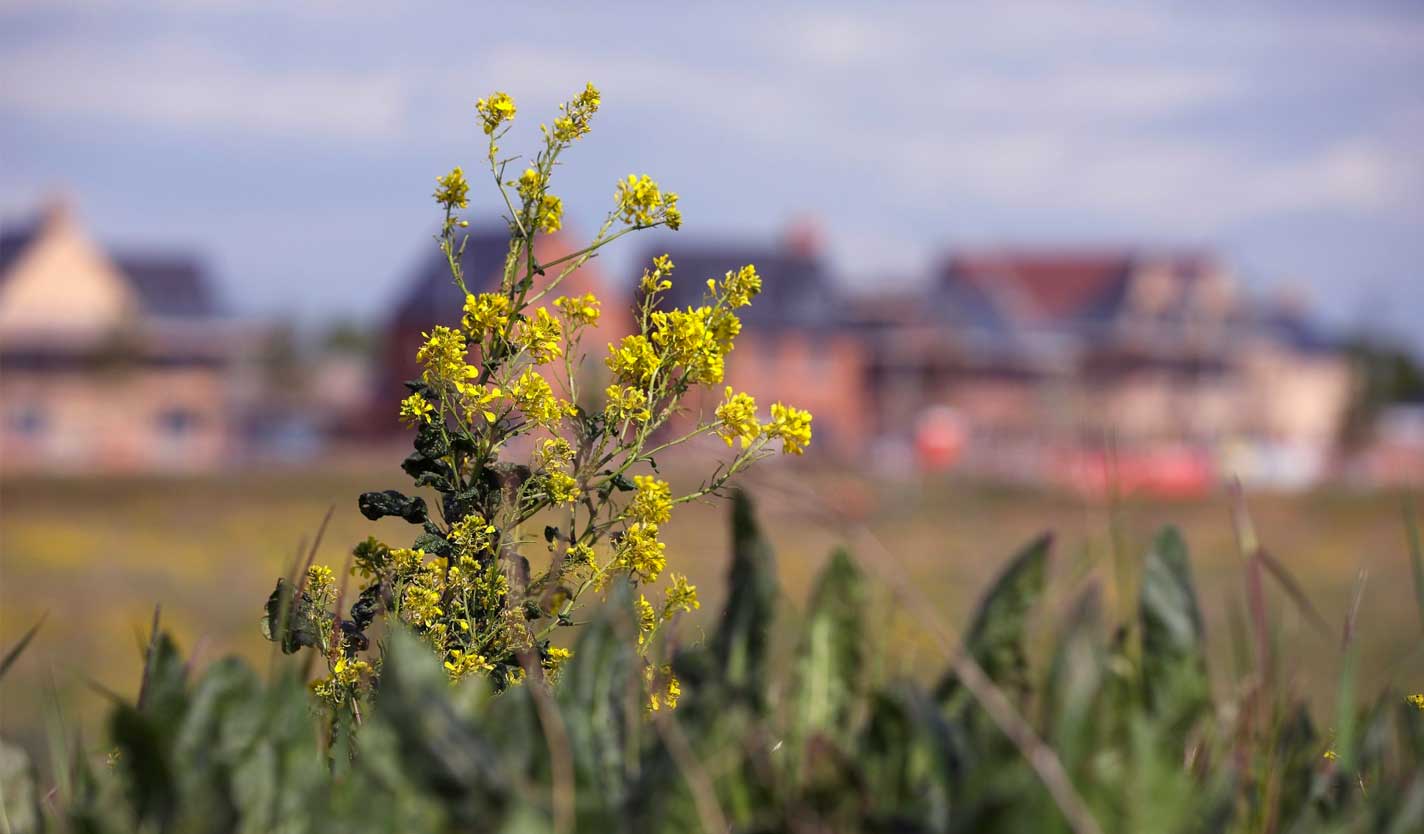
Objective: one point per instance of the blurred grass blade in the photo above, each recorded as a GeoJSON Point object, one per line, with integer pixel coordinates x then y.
{"type": "Point", "coordinates": [1297, 594]}
{"type": "Point", "coordinates": [1416, 555]}
{"type": "Point", "coordinates": [15, 651]}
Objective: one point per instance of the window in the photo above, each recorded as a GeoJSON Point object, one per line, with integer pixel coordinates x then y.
{"type": "Point", "coordinates": [177, 422]}
{"type": "Point", "coordinates": [28, 421]}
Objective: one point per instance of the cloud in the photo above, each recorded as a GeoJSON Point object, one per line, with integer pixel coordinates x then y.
{"type": "Point", "coordinates": [180, 84]}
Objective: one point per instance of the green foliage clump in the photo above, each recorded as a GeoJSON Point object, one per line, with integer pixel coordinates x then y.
{"type": "Point", "coordinates": [1128, 724]}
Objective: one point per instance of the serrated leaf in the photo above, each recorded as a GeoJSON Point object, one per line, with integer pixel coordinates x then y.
{"type": "Point", "coordinates": [997, 634]}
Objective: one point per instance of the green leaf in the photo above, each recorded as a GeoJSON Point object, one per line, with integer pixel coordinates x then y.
{"type": "Point", "coordinates": [1174, 674]}
{"type": "Point", "coordinates": [831, 661]}
{"type": "Point", "coordinates": [743, 638]}
{"type": "Point", "coordinates": [996, 638]}
{"type": "Point", "coordinates": [293, 624]}
{"type": "Point", "coordinates": [377, 505]}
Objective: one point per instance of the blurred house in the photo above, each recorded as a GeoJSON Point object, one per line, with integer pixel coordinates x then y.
{"type": "Point", "coordinates": [1052, 359]}
{"type": "Point", "coordinates": [108, 362]}
{"type": "Point", "coordinates": [431, 297]}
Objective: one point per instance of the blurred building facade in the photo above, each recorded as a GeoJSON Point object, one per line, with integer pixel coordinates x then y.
{"type": "Point", "coordinates": [109, 362]}
{"type": "Point", "coordinates": [1150, 370]}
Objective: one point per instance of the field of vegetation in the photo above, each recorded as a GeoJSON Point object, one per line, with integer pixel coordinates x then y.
{"type": "Point", "coordinates": [96, 556]}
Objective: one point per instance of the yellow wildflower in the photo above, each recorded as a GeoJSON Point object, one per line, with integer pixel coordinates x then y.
{"type": "Point", "coordinates": [321, 583]}
{"type": "Point", "coordinates": [553, 453]}
{"type": "Point", "coordinates": [476, 400]}
{"type": "Point", "coordinates": [536, 401]}
{"type": "Point", "coordinates": [443, 355]}
{"type": "Point", "coordinates": [574, 121]}
{"type": "Point", "coordinates": [792, 425]}
{"type": "Point", "coordinates": [640, 553]}
{"type": "Point", "coordinates": [581, 555]}
{"type": "Point", "coordinates": [530, 184]}
{"type": "Point", "coordinates": [580, 310]}
{"type": "Point", "coordinates": [1329, 755]}
{"type": "Point", "coordinates": [495, 111]}
{"type": "Point", "coordinates": [415, 409]}
{"type": "Point", "coordinates": [641, 203]}
{"type": "Point", "coordinates": [486, 312]}
{"type": "Point", "coordinates": [1417, 700]}
{"type": "Point", "coordinates": [550, 216]}
{"type": "Point", "coordinates": [738, 419]}
{"type": "Point", "coordinates": [554, 659]}
{"type": "Point", "coordinates": [652, 503]}
{"type": "Point", "coordinates": [680, 597]}
{"type": "Point", "coordinates": [626, 403]}
{"type": "Point", "coordinates": [563, 488]}
{"type": "Point", "coordinates": [452, 190]}
{"type": "Point", "coordinates": [655, 280]}
{"type": "Point", "coordinates": [684, 337]}
{"type": "Point", "coordinates": [542, 336]}
{"type": "Point", "coordinates": [461, 663]}
{"type": "Point", "coordinates": [647, 618]}
{"type": "Point", "coordinates": [634, 361]}
{"type": "Point", "coordinates": [741, 287]}
{"type": "Point", "coordinates": [473, 534]}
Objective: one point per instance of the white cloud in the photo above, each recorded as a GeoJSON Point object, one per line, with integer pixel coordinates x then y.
{"type": "Point", "coordinates": [186, 86]}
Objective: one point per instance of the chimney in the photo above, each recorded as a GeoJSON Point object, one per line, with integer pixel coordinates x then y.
{"type": "Point", "coordinates": [803, 237]}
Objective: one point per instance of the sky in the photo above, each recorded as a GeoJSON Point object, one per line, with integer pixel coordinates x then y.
{"type": "Point", "coordinates": [294, 145]}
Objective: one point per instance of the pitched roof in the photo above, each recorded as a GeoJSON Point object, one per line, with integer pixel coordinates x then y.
{"type": "Point", "coordinates": [14, 239]}
{"type": "Point", "coordinates": [431, 296]}
{"type": "Point", "coordinates": [796, 288]}
{"type": "Point", "coordinates": [1044, 286]}
{"type": "Point", "coordinates": [169, 286]}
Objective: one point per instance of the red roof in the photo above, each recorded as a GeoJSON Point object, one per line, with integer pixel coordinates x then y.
{"type": "Point", "coordinates": [1044, 284]}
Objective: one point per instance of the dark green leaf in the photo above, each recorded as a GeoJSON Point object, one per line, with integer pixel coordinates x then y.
{"type": "Point", "coordinates": [1174, 675]}
{"type": "Point", "coordinates": [377, 505]}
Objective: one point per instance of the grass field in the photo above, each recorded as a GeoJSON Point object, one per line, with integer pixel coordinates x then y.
{"type": "Point", "coordinates": [95, 556]}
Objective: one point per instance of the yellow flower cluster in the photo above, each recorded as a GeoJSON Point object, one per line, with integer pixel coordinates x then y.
{"type": "Point", "coordinates": [553, 453]}
{"type": "Point", "coordinates": [627, 403]}
{"type": "Point", "coordinates": [580, 310]}
{"type": "Point", "coordinates": [647, 618]}
{"type": "Point", "coordinates": [639, 552]}
{"type": "Point", "coordinates": [460, 663]}
{"type": "Point", "coordinates": [536, 401]}
{"type": "Point", "coordinates": [574, 121]}
{"type": "Point", "coordinates": [443, 355]}
{"type": "Point", "coordinates": [542, 336]}
{"type": "Point", "coordinates": [680, 597]}
{"type": "Point", "coordinates": [792, 425]}
{"type": "Point", "coordinates": [689, 338]}
{"type": "Point", "coordinates": [554, 659]}
{"type": "Point", "coordinates": [740, 287]}
{"type": "Point", "coordinates": [737, 418]}
{"type": "Point", "coordinates": [641, 203]}
{"type": "Point", "coordinates": [664, 689]}
{"type": "Point", "coordinates": [495, 111]}
{"type": "Point", "coordinates": [633, 362]}
{"type": "Point", "coordinates": [656, 279]}
{"type": "Point", "coordinates": [476, 399]}
{"type": "Point", "coordinates": [345, 675]}
{"type": "Point", "coordinates": [1417, 700]}
{"type": "Point", "coordinates": [415, 410]}
{"type": "Point", "coordinates": [452, 190]}
{"type": "Point", "coordinates": [473, 534]}
{"type": "Point", "coordinates": [652, 503]}
{"type": "Point", "coordinates": [563, 488]}
{"type": "Point", "coordinates": [486, 312]}
{"type": "Point", "coordinates": [321, 584]}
